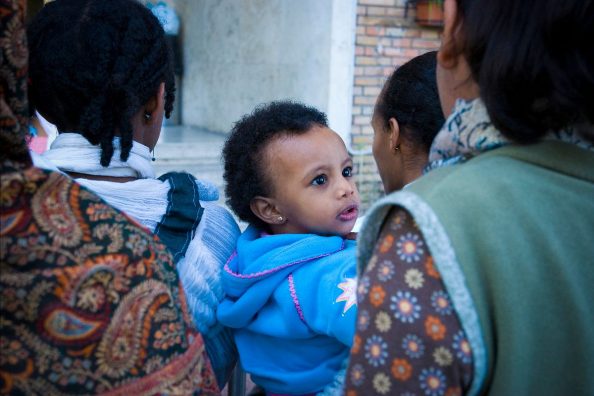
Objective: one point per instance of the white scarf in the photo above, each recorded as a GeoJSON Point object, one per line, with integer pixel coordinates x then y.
{"type": "Point", "coordinates": [72, 152]}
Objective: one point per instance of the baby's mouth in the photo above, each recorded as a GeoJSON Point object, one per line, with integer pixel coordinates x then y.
{"type": "Point", "coordinates": [350, 213]}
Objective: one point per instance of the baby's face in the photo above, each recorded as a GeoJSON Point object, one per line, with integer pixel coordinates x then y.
{"type": "Point", "coordinates": [313, 183]}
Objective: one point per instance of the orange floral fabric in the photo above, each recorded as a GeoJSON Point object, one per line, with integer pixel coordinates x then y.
{"type": "Point", "coordinates": [409, 340]}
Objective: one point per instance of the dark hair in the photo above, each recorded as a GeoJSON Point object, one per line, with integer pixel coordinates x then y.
{"type": "Point", "coordinates": [245, 171]}
{"type": "Point", "coordinates": [533, 61]}
{"type": "Point", "coordinates": [410, 96]}
{"type": "Point", "coordinates": [94, 63]}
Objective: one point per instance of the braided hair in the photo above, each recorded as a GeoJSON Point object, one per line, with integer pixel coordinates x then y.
{"type": "Point", "coordinates": [94, 64]}
{"type": "Point", "coordinates": [410, 95]}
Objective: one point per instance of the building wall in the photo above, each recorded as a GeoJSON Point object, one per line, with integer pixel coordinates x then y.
{"type": "Point", "coordinates": [385, 39]}
{"type": "Point", "coordinates": [238, 54]}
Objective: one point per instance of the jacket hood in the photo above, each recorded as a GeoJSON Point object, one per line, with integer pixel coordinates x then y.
{"type": "Point", "coordinates": [260, 263]}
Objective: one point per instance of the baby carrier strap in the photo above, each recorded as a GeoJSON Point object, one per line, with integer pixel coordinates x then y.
{"type": "Point", "coordinates": [182, 217]}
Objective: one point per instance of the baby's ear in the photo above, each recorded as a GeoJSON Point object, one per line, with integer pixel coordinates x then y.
{"type": "Point", "coordinates": [265, 209]}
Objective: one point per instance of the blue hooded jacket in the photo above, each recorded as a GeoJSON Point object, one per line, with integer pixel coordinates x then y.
{"type": "Point", "coordinates": [291, 299]}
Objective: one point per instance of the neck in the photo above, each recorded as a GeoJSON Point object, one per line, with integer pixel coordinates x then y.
{"type": "Point", "coordinates": [117, 179]}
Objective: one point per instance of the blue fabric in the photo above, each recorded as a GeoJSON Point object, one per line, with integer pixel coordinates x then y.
{"type": "Point", "coordinates": [178, 226]}
{"type": "Point", "coordinates": [292, 336]}
{"type": "Point", "coordinates": [200, 271]}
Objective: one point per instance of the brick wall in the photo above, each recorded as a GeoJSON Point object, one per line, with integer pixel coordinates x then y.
{"type": "Point", "coordinates": [385, 39]}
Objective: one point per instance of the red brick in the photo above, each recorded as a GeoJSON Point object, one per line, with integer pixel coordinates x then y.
{"type": "Point", "coordinates": [374, 31]}
{"type": "Point", "coordinates": [431, 34]}
{"type": "Point", "coordinates": [364, 100]}
{"type": "Point", "coordinates": [367, 130]}
{"type": "Point", "coordinates": [412, 33]}
{"type": "Point", "coordinates": [368, 110]}
{"type": "Point", "coordinates": [395, 32]}
{"type": "Point", "coordinates": [393, 51]}
{"type": "Point", "coordinates": [376, 11]}
{"type": "Point", "coordinates": [370, 21]}
{"type": "Point", "coordinates": [366, 40]}
{"type": "Point", "coordinates": [362, 140]}
{"type": "Point", "coordinates": [365, 60]}
{"type": "Point", "coordinates": [367, 81]}
{"type": "Point", "coordinates": [371, 91]}
{"type": "Point", "coordinates": [361, 120]}
{"type": "Point", "coordinates": [426, 44]}
{"type": "Point", "coordinates": [372, 71]}
{"type": "Point", "coordinates": [384, 61]}
{"type": "Point", "coordinates": [396, 12]}
{"type": "Point", "coordinates": [370, 51]}
{"type": "Point", "coordinates": [359, 50]}
{"type": "Point", "coordinates": [387, 71]}
{"type": "Point", "coordinates": [402, 43]}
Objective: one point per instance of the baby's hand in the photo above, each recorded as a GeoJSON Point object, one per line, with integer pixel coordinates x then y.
{"type": "Point", "coordinates": [351, 235]}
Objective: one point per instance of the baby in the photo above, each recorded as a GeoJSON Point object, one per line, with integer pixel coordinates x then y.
{"type": "Point", "coordinates": [291, 284]}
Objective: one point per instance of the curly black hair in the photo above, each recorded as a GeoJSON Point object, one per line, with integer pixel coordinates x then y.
{"type": "Point", "coordinates": [93, 64]}
{"type": "Point", "coordinates": [410, 96]}
{"type": "Point", "coordinates": [245, 171]}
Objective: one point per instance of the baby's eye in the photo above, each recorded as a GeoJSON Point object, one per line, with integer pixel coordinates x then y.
{"type": "Point", "coordinates": [319, 180]}
{"type": "Point", "coordinates": [348, 171]}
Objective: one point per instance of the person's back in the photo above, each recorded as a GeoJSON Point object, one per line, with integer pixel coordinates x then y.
{"type": "Point", "coordinates": [502, 220]}
{"type": "Point", "coordinates": [101, 71]}
{"type": "Point", "coordinates": [290, 287]}
{"type": "Point", "coordinates": [90, 302]}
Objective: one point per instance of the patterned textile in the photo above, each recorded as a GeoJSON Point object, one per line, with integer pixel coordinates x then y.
{"type": "Point", "coordinates": [90, 302]}
{"type": "Point", "coordinates": [409, 340]}
{"type": "Point", "coordinates": [468, 131]}
{"type": "Point", "coordinates": [13, 82]}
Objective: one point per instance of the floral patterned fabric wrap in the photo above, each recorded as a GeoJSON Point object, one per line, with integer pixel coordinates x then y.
{"type": "Point", "coordinates": [409, 339]}
{"type": "Point", "coordinates": [90, 302]}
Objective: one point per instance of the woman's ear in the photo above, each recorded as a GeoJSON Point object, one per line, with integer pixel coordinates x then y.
{"type": "Point", "coordinates": [448, 53]}
{"type": "Point", "coordinates": [394, 130]}
{"type": "Point", "coordinates": [265, 209]}
{"type": "Point", "coordinates": [155, 102]}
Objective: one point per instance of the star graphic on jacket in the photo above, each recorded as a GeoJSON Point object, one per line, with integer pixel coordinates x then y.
{"type": "Point", "coordinates": [349, 293]}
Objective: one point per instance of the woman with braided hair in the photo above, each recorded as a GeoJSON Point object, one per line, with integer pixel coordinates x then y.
{"type": "Point", "coordinates": [102, 72]}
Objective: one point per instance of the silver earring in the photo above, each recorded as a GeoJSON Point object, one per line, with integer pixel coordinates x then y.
{"type": "Point", "coordinates": [397, 148]}
{"type": "Point", "coordinates": [280, 219]}
{"type": "Point", "coordinates": [147, 117]}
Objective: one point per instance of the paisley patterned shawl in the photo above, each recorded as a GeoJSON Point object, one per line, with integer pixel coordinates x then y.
{"type": "Point", "coordinates": [13, 83]}
{"type": "Point", "coordinates": [90, 302]}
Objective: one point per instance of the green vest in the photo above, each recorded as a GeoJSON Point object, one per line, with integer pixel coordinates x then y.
{"type": "Point", "coordinates": [512, 234]}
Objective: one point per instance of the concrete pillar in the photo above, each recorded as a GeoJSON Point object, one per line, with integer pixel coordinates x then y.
{"type": "Point", "coordinates": [241, 53]}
